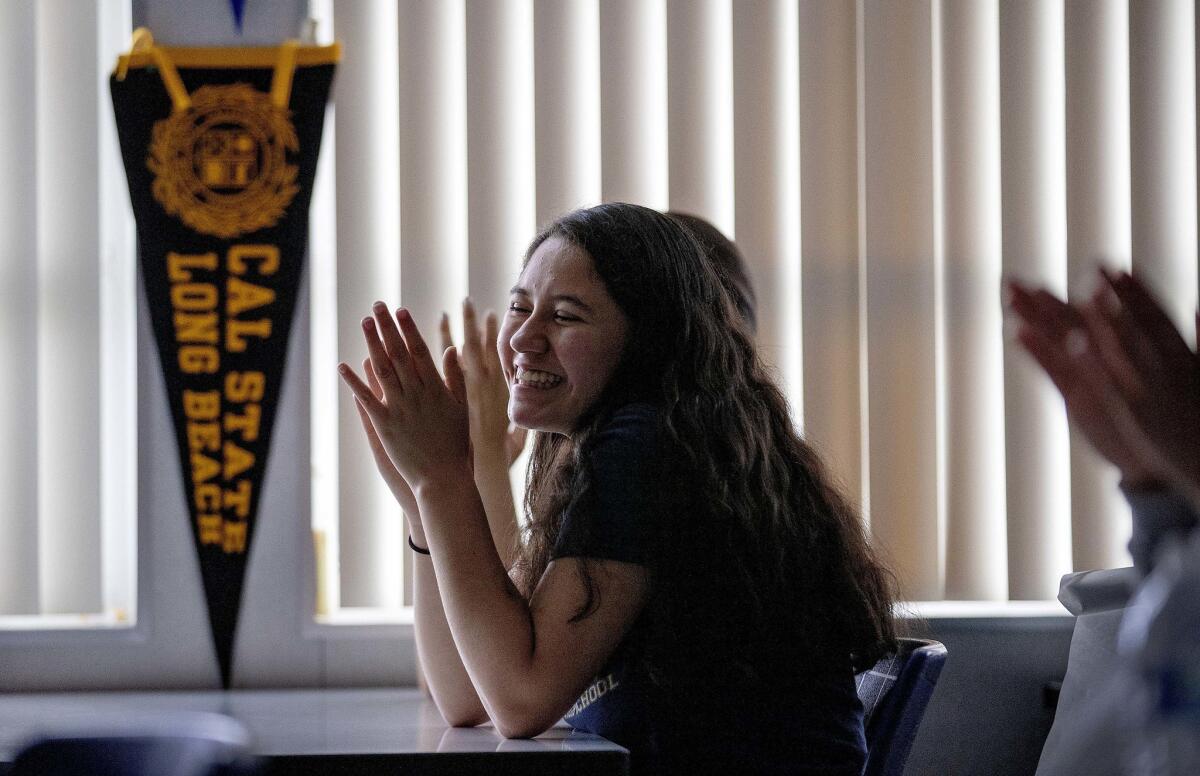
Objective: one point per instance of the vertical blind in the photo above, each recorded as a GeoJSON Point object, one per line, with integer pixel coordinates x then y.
{"type": "Point", "coordinates": [67, 316]}
{"type": "Point", "coordinates": [1033, 234]}
{"type": "Point", "coordinates": [881, 164]}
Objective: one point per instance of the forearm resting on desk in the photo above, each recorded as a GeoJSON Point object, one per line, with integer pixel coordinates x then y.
{"type": "Point", "coordinates": [528, 660]}
{"type": "Point", "coordinates": [450, 556]}
{"type": "Point", "coordinates": [447, 678]}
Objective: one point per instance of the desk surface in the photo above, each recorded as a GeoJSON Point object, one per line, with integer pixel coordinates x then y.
{"type": "Point", "coordinates": [302, 731]}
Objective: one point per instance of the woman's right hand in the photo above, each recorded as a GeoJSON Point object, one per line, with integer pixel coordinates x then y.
{"type": "Point", "coordinates": [391, 476]}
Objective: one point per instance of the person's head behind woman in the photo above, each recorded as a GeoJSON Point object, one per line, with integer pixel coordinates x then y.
{"type": "Point", "coordinates": [729, 260]}
{"type": "Point", "coordinates": [753, 531]}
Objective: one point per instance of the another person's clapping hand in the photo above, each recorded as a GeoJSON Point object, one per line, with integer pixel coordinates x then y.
{"type": "Point", "coordinates": [1154, 371]}
{"type": "Point", "coordinates": [1130, 381]}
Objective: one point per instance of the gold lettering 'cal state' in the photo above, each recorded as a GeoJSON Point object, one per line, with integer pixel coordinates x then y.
{"type": "Point", "coordinates": [241, 296]}
{"type": "Point", "coordinates": [237, 331]}
{"type": "Point", "coordinates": [245, 386]}
{"type": "Point", "coordinates": [234, 540]}
{"type": "Point", "coordinates": [237, 460]}
{"type": "Point", "coordinates": [265, 257]}
{"type": "Point", "coordinates": [238, 499]}
{"type": "Point", "coordinates": [246, 424]}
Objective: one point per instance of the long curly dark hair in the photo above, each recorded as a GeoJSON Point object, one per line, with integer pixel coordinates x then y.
{"type": "Point", "coordinates": [753, 534]}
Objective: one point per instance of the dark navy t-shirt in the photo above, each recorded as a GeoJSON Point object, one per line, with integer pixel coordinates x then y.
{"type": "Point", "coordinates": [793, 719]}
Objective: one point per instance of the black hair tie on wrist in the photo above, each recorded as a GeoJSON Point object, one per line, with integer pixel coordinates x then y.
{"type": "Point", "coordinates": [415, 548]}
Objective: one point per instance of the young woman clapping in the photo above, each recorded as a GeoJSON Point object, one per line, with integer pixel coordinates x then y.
{"type": "Point", "coordinates": [689, 583]}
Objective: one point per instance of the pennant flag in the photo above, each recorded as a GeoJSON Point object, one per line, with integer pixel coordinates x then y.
{"type": "Point", "coordinates": [220, 150]}
{"type": "Point", "coordinates": [239, 7]}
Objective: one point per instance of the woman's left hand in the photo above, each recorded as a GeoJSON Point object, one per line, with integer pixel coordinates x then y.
{"type": "Point", "coordinates": [492, 435]}
{"type": "Point", "coordinates": [421, 421]}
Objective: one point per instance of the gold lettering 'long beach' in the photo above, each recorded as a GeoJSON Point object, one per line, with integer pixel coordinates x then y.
{"type": "Point", "coordinates": [599, 688]}
{"type": "Point", "coordinates": [218, 420]}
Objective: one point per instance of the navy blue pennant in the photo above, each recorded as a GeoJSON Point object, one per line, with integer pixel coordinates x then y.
{"type": "Point", "coordinates": [238, 6]}
{"type": "Point", "coordinates": [220, 191]}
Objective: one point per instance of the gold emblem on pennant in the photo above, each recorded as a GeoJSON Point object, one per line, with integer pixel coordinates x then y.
{"type": "Point", "coordinates": [221, 165]}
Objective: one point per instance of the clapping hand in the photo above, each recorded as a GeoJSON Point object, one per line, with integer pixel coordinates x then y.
{"type": "Point", "coordinates": [396, 484]}
{"type": "Point", "coordinates": [1130, 382]}
{"type": "Point", "coordinates": [487, 391]}
{"type": "Point", "coordinates": [1155, 373]}
{"type": "Point", "coordinates": [418, 420]}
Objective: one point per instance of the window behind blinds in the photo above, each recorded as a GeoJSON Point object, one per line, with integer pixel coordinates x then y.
{"type": "Point", "coordinates": [67, 322]}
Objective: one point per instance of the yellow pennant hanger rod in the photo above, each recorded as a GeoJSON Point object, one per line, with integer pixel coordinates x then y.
{"type": "Point", "coordinates": [285, 59]}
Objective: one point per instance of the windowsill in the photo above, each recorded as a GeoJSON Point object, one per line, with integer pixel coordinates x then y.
{"type": "Point", "coordinates": [64, 622]}
{"type": "Point", "coordinates": [944, 610]}
{"type": "Point", "coordinates": [369, 623]}
{"type": "Point", "coordinates": [68, 629]}
{"type": "Point", "coordinates": [362, 623]}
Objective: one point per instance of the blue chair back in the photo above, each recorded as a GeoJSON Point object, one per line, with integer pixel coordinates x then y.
{"type": "Point", "coordinates": [176, 745]}
{"type": "Point", "coordinates": [894, 694]}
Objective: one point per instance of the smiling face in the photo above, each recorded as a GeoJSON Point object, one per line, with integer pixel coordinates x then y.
{"type": "Point", "coordinates": [561, 339]}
